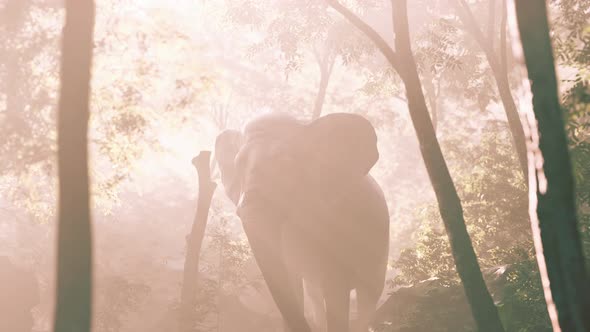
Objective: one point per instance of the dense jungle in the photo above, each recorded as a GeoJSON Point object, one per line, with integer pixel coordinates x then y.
{"type": "Point", "coordinates": [294, 165]}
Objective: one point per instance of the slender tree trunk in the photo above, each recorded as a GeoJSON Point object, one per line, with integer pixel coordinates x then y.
{"type": "Point", "coordinates": [480, 300]}
{"type": "Point", "coordinates": [503, 40]}
{"type": "Point", "coordinates": [74, 245]}
{"type": "Point", "coordinates": [326, 65]}
{"type": "Point", "coordinates": [432, 98]}
{"type": "Point", "coordinates": [321, 96]}
{"type": "Point", "coordinates": [500, 73]}
{"type": "Point", "coordinates": [491, 21]}
{"type": "Point", "coordinates": [551, 183]}
{"type": "Point", "coordinates": [481, 303]}
{"type": "Point", "coordinates": [188, 296]}
{"type": "Point", "coordinates": [514, 123]}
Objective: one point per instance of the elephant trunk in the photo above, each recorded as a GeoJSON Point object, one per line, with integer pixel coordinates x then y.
{"type": "Point", "coordinates": [265, 240]}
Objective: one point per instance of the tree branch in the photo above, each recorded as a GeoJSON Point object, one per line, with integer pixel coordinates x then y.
{"type": "Point", "coordinates": [503, 51]}
{"type": "Point", "coordinates": [331, 60]}
{"type": "Point", "coordinates": [401, 98]}
{"type": "Point", "coordinates": [501, 79]}
{"type": "Point", "coordinates": [316, 54]}
{"type": "Point", "coordinates": [491, 22]}
{"type": "Point", "coordinates": [381, 44]}
{"type": "Point", "coordinates": [471, 25]}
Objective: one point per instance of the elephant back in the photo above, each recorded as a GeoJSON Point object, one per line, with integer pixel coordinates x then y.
{"type": "Point", "coordinates": [271, 126]}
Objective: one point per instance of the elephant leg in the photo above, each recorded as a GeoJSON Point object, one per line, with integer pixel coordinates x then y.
{"type": "Point", "coordinates": [366, 306]}
{"type": "Point", "coordinates": [266, 247]}
{"type": "Point", "coordinates": [297, 282]}
{"type": "Point", "coordinates": [297, 286]}
{"type": "Point", "coordinates": [337, 306]}
{"type": "Point", "coordinates": [318, 307]}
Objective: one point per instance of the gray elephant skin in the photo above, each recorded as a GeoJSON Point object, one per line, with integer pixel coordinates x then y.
{"type": "Point", "coordinates": [311, 212]}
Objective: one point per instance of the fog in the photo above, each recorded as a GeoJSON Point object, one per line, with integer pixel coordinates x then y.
{"type": "Point", "coordinates": [169, 76]}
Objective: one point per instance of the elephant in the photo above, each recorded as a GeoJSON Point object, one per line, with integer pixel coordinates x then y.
{"type": "Point", "coordinates": [311, 211]}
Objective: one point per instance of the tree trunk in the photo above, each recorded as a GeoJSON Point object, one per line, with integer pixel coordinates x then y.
{"type": "Point", "coordinates": [481, 303]}
{"type": "Point", "coordinates": [194, 241]}
{"type": "Point", "coordinates": [326, 65]}
{"type": "Point", "coordinates": [321, 96]}
{"type": "Point", "coordinates": [74, 238]}
{"type": "Point", "coordinates": [514, 123]}
{"type": "Point", "coordinates": [500, 73]}
{"type": "Point", "coordinates": [432, 98]}
{"type": "Point", "coordinates": [551, 183]}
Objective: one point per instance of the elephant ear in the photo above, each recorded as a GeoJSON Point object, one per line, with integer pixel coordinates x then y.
{"type": "Point", "coordinates": [227, 146]}
{"type": "Point", "coordinates": [339, 148]}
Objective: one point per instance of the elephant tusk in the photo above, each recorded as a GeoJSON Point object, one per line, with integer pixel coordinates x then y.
{"type": "Point", "coordinates": [241, 198]}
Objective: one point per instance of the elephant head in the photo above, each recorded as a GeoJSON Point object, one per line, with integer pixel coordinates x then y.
{"type": "Point", "coordinates": [277, 160]}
